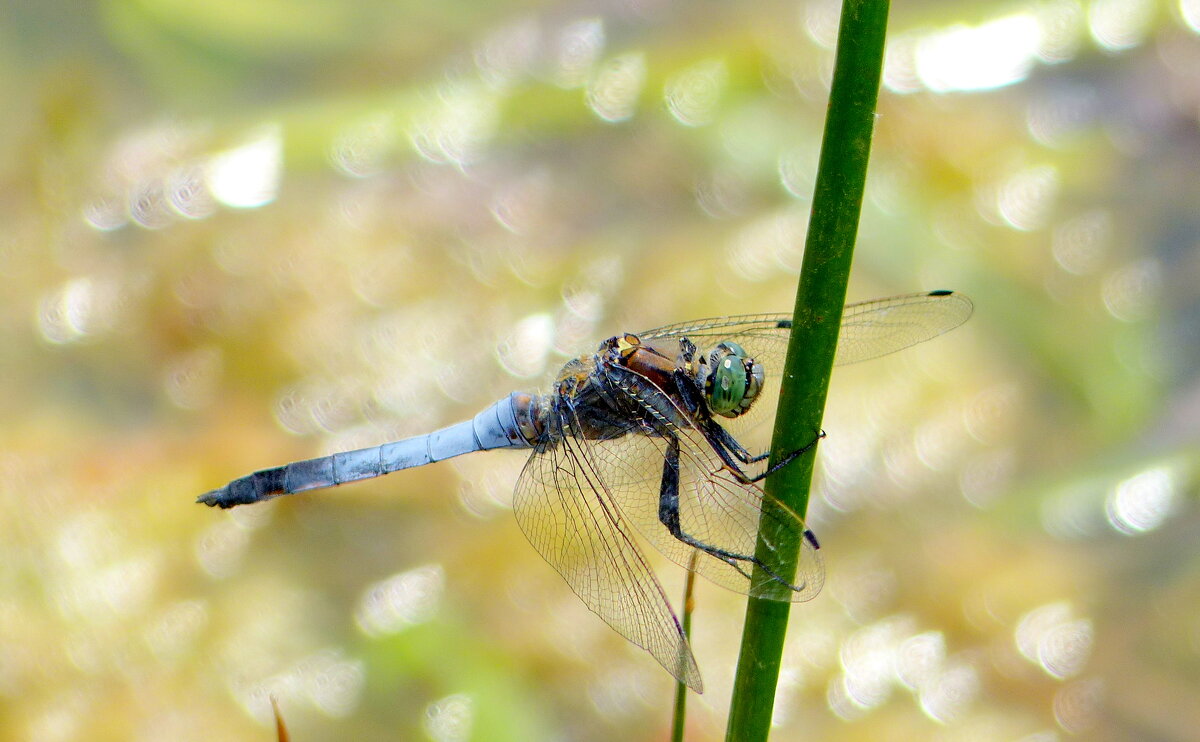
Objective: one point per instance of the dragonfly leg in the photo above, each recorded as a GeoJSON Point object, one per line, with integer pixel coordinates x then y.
{"type": "Point", "coordinates": [720, 438]}
{"type": "Point", "coordinates": [722, 443]}
{"type": "Point", "coordinates": [736, 448]}
{"type": "Point", "coordinates": [689, 392]}
{"type": "Point", "coordinates": [693, 400]}
{"type": "Point", "coordinates": [668, 515]}
{"type": "Point", "coordinates": [790, 457]}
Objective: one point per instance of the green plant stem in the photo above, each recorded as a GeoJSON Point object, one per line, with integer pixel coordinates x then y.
{"type": "Point", "coordinates": [681, 690]}
{"type": "Point", "coordinates": [828, 250]}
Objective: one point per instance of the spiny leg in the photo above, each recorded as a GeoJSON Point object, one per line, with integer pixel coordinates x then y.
{"type": "Point", "coordinates": [668, 515]}
{"type": "Point", "coordinates": [733, 446]}
{"type": "Point", "coordinates": [817, 436]}
{"type": "Point", "coordinates": [722, 442]}
{"type": "Point", "coordinates": [693, 401]}
{"type": "Point", "coordinates": [726, 446]}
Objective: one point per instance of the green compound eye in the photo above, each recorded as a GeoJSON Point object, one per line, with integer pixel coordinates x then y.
{"type": "Point", "coordinates": [728, 386]}
{"type": "Point", "coordinates": [734, 381]}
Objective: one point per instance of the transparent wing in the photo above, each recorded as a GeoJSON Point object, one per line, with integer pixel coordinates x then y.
{"type": "Point", "coordinates": [714, 507]}
{"type": "Point", "coordinates": [875, 328]}
{"type": "Point", "coordinates": [565, 510]}
{"type": "Point", "coordinates": [869, 330]}
{"type": "Point", "coordinates": [577, 499]}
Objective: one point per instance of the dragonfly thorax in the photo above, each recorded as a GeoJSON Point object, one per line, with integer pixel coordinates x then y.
{"type": "Point", "coordinates": [731, 378]}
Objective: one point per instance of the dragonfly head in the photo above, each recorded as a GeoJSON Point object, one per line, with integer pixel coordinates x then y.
{"type": "Point", "coordinates": [732, 380]}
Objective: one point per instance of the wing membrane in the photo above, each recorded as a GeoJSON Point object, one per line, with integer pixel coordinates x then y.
{"type": "Point", "coordinates": [565, 510]}
{"type": "Point", "coordinates": [876, 328]}
{"type": "Point", "coordinates": [714, 506]}
{"type": "Point", "coordinates": [578, 500]}
{"type": "Point", "coordinates": [869, 329]}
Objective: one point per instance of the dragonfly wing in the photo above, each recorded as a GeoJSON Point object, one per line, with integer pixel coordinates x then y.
{"type": "Point", "coordinates": [714, 507]}
{"type": "Point", "coordinates": [876, 328]}
{"type": "Point", "coordinates": [565, 510]}
{"type": "Point", "coordinates": [719, 510]}
{"type": "Point", "coordinates": [869, 329]}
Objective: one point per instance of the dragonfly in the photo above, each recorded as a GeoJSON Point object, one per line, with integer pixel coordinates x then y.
{"type": "Point", "coordinates": [642, 441]}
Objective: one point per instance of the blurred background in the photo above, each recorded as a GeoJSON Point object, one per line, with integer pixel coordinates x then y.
{"type": "Point", "coordinates": [238, 234]}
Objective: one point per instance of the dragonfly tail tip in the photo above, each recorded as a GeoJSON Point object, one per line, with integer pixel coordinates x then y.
{"type": "Point", "coordinates": [214, 498]}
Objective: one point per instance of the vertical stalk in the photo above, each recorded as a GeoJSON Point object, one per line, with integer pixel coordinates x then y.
{"type": "Point", "coordinates": [828, 249]}
{"type": "Point", "coordinates": [681, 690]}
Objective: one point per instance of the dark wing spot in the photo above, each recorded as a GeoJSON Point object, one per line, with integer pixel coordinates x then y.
{"type": "Point", "coordinates": [784, 324]}
{"type": "Point", "coordinates": [940, 292]}
{"type": "Point", "coordinates": [811, 538]}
